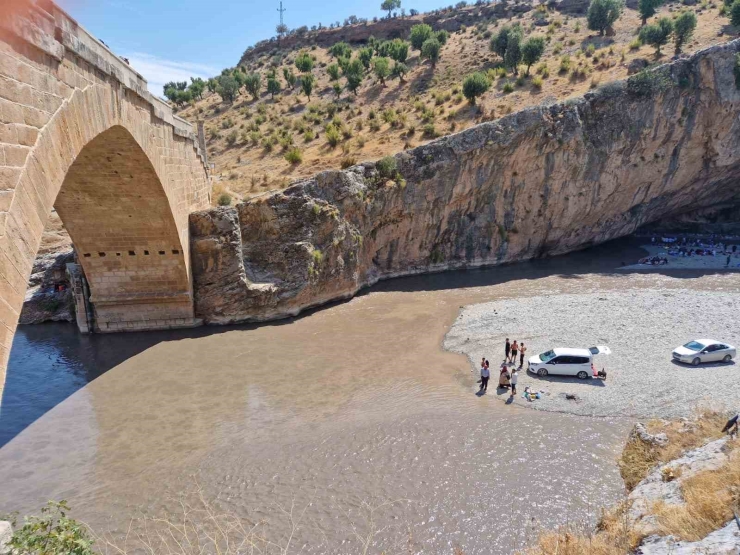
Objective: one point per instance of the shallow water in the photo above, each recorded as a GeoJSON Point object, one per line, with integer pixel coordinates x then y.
{"type": "Point", "coordinates": [350, 407]}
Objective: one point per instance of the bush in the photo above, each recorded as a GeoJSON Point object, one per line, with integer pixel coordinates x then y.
{"type": "Point", "coordinates": [224, 199]}
{"type": "Point", "coordinates": [590, 50]}
{"type": "Point", "coordinates": [294, 156]}
{"type": "Point", "coordinates": [537, 82]}
{"type": "Point", "coordinates": [635, 44]}
{"type": "Point", "coordinates": [442, 37]}
{"type": "Point", "coordinates": [543, 70]}
{"type": "Point", "coordinates": [419, 35]}
{"type": "Point", "coordinates": [52, 532]}
{"type": "Point", "coordinates": [348, 161]}
{"type": "Point", "coordinates": [304, 62]}
{"type": "Point", "coordinates": [646, 83]}
{"type": "Point", "coordinates": [387, 167]}
{"type": "Point", "coordinates": [381, 68]}
{"type": "Point", "coordinates": [475, 85]}
{"type": "Point", "coordinates": [231, 138]}
{"type": "Point", "coordinates": [308, 135]}
{"type": "Point", "coordinates": [333, 71]}
{"type": "Point", "coordinates": [307, 83]}
{"type": "Point", "coordinates": [603, 13]}
{"type": "Point", "coordinates": [333, 136]}
{"type": "Point", "coordinates": [564, 64]}
{"type": "Point", "coordinates": [508, 87]}
{"type": "Point", "coordinates": [341, 50]}
{"type": "Point", "coordinates": [430, 131]}
{"type": "Point", "coordinates": [253, 83]}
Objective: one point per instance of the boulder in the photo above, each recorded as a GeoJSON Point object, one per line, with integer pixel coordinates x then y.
{"type": "Point", "coordinates": [637, 65]}
{"type": "Point", "coordinates": [725, 541]}
{"type": "Point", "coordinates": [639, 432]}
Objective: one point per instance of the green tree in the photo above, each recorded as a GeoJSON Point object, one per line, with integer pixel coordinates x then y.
{"type": "Point", "coordinates": [399, 71]}
{"type": "Point", "coordinates": [273, 86]}
{"type": "Point", "coordinates": [289, 77]}
{"type": "Point", "coordinates": [657, 34]}
{"type": "Point", "coordinates": [735, 13]}
{"type": "Point", "coordinates": [211, 84]}
{"type": "Point", "coordinates": [430, 50]}
{"type": "Point", "coordinates": [683, 28]}
{"type": "Point", "coordinates": [307, 83]}
{"type": "Point", "coordinates": [333, 71]}
{"type": "Point", "coordinates": [390, 5]}
{"type": "Point", "coordinates": [442, 37]}
{"type": "Point", "coordinates": [602, 14]}
{"type": "Point", "coordinates": [514, 51]}
{"type": "Point", "coordinates": [253, 84]}
{"type": "Point", "coordinates": [173, 89]}
{"type": "Point", "coordinates": [365, 55]}
{"type": "Point", "coordinates": [647, 9]}
{"type": "Point", "coordinates": [341, 50]}
{"type": "Point", "coordinates": [197, 87]}
{"type": "Point", "coordinates": [399, 50]}
{"type": "Point", "coordinates": [354, 72]}
{"type": "Point", "coordinates": [304, 62]}
{"type": "Point", "coordinates": [475, 85]}
{"type": "Point", "coordinates": [337, 89]}
{"type": "Point", "coordinates": [419, 34]}
{"type": "Point", "coordinates": [381, 68]}
{"type": "Point", "coordinates": [500, 40]}
{"type": "Point", "coordinates": [227, 87]}
{"type": "Point", "coordinates": [532, 51]}
{"type": "Point", "coordinates": [281, 31]}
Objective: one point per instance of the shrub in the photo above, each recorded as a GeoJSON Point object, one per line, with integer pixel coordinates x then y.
{"type": "Point", "coordinates": [564, 64]}
{"type": "Point", "coordinates": [657, 34]}
{"type": "Point", "coordinates": [543, 70]}
{"type": "Point", "coordinates": [602, 14]}
{"type": "Point", "coordinates": [307, 83]}
{"type": "Point", "coordinates": [348, 161]}
{"type": "Point", "coordinates": [431, 47]}
{"type": "Point", "coordinates": [683, 28]}
{"type": "Point", "coordinates": [52, 532]}
{"type": "Point", "coordinates": [332, 135]}
{"type": "Point", "coordinates": [532, 51]}
{"type": "Point", "coordinates": [558, 48]}
{"type": "Point", "coordinates": [294, 156]}
{"type": "Point", "coordinates": [273, 86]}
{"type": "Point", "coordinates": [308, 135]}
{"type": "Point", "coordinates": [430, 131]}
{"type": "Point", "coordinates": [387, 167]}
{"type": "Point", "coordinates": [475, 85]}
{"type": "Point", "coordinates": [635, 44]}
{"type": "Point", "coordinates": [442, 37]}
{"type": "Point", "coordinates": [419, 35]}
{"type": "Point", "coordinates": [231, 138]}
{"type": "Point", "coordinates": [590, 50]}
{"type": "Point", "coordinates": [340, 50]}
{"type": "Point", "coordinates": [537, 82]}
{"type": "Point", "coordinates": [381, 68]}
{"type": "Point", "coordinates": [224, 199]}
{"type": "Point", "coordinates": [508, 87]}
{"type": "Point", "coordinates": [646, 83]}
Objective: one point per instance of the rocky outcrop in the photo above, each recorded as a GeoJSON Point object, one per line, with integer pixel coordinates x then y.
{"type": "Point", "coordinates": [48, 297]}
{"type": "Point", "coordinates": [725, 541]}
{"type": "Point", "coordinates": [543, 181]}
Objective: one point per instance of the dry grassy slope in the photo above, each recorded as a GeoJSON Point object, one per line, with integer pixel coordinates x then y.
{"type": "Point", "coordinates": [245, 170]}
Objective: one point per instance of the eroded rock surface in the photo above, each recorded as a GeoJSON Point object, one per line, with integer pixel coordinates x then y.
{"type": "Point", "coordinates": [48, 297]}
{"type": "Point", "coordinates": [543, 181]}
{"type": "Point", "coordinates": [725, 541]}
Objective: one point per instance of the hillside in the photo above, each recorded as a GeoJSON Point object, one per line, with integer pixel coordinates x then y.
{"type": "Point", "coordinates": [384, 119]}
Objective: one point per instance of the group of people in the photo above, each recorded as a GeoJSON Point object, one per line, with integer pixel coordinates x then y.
{"type": "Point", "coordinates": [506, 378]}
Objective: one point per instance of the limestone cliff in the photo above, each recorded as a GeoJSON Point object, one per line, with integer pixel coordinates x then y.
{"type": "Point", "coordinates": [543, 181]}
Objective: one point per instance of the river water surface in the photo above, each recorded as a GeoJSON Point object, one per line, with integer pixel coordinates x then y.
{"type": "Point", "coordinates": [352, 415]}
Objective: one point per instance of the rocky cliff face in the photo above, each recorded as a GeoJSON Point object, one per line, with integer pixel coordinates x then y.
{"type": "Point", "coordinates": [540, 182]}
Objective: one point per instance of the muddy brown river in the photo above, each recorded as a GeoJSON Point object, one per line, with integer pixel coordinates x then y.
{"type": "Point", "coordinates": [351, 415]}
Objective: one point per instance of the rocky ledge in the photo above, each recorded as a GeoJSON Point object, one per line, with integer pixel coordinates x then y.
{"type": "Point", "coordinates": [48, 297]}
{"type": "Point", "coordinates": [543, 181]}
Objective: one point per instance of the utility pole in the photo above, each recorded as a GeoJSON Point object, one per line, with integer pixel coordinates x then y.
{"type": "Point", "coordinates": [281, 10]}
{"type": "Point", "coordinates": [280, 28]}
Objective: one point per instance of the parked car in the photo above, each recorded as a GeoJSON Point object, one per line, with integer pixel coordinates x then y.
{"type": "Point", "coordinates": [704, 350]}
{"type": "Point", "coordinates": [566, 362]}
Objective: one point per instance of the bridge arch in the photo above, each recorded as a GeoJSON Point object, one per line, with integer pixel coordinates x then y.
{"type": "Point", "coordinates": [80, 132]}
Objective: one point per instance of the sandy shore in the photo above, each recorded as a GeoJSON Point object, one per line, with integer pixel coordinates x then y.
{"type": "Point", "coordinates": [718, 262]}
{"type": "Point", "coordinates": [641, 327]}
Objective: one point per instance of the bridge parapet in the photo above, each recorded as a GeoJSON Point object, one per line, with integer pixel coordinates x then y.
{"type": "Point", "coordinates": [46, 26]}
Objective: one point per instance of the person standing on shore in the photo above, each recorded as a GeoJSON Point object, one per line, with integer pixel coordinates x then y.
{"type": "Point", "coordinates": [485, 374]}
{"type": "Point", "coordinates": [514, 349]}
{"type": "Point", "coordinates": [514, 381]}
{"type": "Point", "coordinates": [522, 350]}
{"type": "Point", "coordinates": [507, 349]}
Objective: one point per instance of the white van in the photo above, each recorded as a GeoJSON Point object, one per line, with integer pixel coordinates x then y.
{"type": "Point", "coordinates": [566, 362]}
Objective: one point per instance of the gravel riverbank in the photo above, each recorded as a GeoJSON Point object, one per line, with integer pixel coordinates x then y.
{"type": "Point", "coordinates": [641, 326]}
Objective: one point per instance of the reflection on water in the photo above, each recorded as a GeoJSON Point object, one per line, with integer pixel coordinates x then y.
{"type": "Point", "coordinates": [347, 407]}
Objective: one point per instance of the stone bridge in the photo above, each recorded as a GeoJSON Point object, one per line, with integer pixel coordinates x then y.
{"type": "Point", "coordinates": [80, 132]}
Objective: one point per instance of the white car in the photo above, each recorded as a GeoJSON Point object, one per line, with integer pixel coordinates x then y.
{"type": "Point", "coordinates": [566, 362]}
{"type": "Point", "coordinates": [704, 350]}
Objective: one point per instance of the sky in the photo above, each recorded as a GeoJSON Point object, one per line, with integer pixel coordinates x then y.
{"type": "Point", "coordinates": [172, 40]}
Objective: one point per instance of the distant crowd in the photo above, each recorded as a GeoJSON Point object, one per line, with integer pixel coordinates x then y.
{"type": "Point", "coordinates": [508, 378]}
{"type": "Point", "coordinates": [689, 246]}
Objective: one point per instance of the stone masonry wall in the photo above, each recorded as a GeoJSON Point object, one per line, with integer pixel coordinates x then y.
{"type": "Point", "coordinates": [73, 117]}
